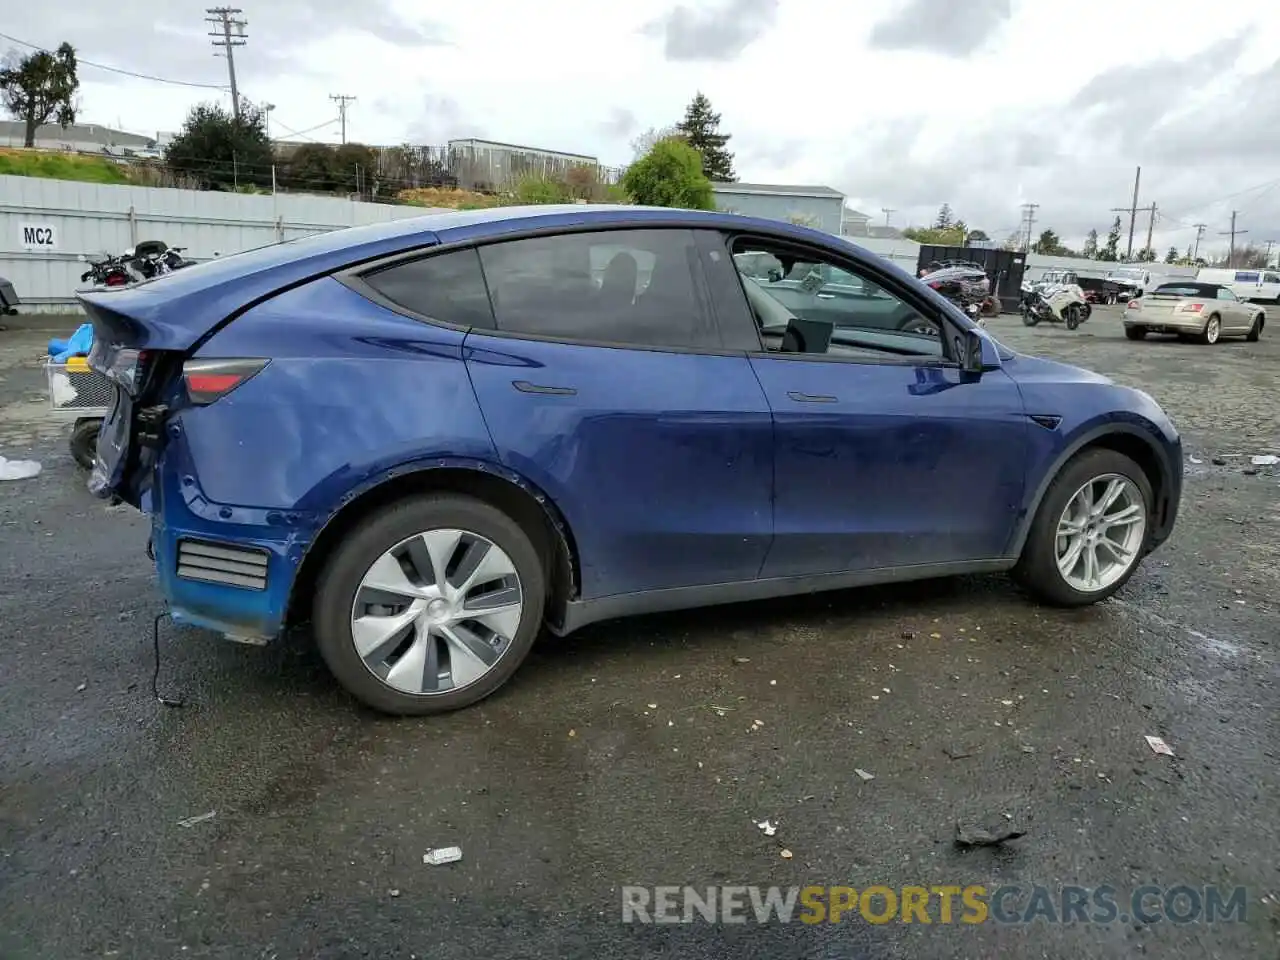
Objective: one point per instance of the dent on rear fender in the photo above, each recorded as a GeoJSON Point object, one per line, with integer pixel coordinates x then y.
{"type": "Point", "coordinates": [352, 391]}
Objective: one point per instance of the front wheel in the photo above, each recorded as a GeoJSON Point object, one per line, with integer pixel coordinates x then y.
{"type": "Point", "coordinates": [429, 606]}
{"type": "Point", "coordinates": [1071, 316]}
{"type": "Point", "coordinates": [84, 442]}
{"type": "Point", "coordinates": [1089, 532]}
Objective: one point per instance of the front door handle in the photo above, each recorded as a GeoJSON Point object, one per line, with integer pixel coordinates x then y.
{"type": "Point", "coordinates": [524, 386]}
{"type": "Point", "coordinates": [799, 397]}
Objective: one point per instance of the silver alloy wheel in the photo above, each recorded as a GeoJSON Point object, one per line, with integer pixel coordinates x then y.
{"type": "Point", "coordinates": [1100, 534]}
{"type": "Point", "coordinates": [436, 612]}
{"type": "Point", "coordinates": [1213, 329]}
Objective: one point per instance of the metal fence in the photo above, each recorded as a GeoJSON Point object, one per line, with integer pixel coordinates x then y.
{"type": "Point", "coordinates": [45, 225]}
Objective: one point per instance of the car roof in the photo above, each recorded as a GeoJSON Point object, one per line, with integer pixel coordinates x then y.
{"type": "Point", "coordinates": [1202, 289]}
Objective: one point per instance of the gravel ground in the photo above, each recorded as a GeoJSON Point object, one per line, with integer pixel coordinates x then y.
{"type": "Point", "coordinates": [606, 761]}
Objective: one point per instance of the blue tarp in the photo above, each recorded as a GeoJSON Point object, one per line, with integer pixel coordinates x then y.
{"type": "Point", "coordinates": [77, 346]}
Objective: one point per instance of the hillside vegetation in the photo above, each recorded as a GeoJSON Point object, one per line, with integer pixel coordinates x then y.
{"type": "Point", "coordinates": [61, 166]}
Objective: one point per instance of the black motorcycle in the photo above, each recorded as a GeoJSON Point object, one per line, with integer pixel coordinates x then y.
{"type": "Point", "coordinates": [107, 272]}
{"type": "Point", "coordinates": [965, 284]}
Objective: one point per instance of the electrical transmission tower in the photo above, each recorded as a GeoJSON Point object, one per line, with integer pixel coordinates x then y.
{"type": "Point", "coordinates": [228, 34]}
{"type": "Point", "coordinates": [342, 100]}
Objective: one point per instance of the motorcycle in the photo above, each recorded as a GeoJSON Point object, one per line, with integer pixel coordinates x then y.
{"type": "Point", "coordinates": [108, 272]}
{"type": "Point", "coordinates": [1063, 303]}
{"type": "Point", "coordinates": [967, 286]}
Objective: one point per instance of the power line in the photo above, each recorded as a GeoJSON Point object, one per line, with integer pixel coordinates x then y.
{"type": "Point", "coordinates": [80, 61]}
{"type": "Point", "coordinates": [342, 100]}
{"type": "Point", "coordinates": [224, 18]}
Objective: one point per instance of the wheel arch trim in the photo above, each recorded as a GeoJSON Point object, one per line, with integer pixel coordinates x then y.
{"type": "Point", "coordinates": [1089, 437]}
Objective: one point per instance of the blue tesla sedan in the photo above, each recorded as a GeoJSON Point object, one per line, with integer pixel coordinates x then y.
{"type": "Point", "coordinates": [433, 437]}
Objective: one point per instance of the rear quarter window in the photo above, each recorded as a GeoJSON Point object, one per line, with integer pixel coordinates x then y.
{"type": "Point", "coordinates": [444, 288]}
{"type": "Point", "coordinates": [1246, 276]}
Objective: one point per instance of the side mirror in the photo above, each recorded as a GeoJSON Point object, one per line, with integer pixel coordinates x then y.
{"type": "Point", "coordinates": [968, 347]}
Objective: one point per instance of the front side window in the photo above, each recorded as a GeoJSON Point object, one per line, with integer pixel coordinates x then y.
{"type": "Point", "coordinates": [446, 287]}
{"type": "Point", "coordinates": [812, 305]}
{"type": "Point", "coordinates": [626, 287]}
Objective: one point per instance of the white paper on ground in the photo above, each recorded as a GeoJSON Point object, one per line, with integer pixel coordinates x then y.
{"type": "Point", "coordinates": [18, 469]}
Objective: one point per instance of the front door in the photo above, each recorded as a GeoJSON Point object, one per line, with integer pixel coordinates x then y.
{"type": "Point", "coordinates": [606, 384]}
{"type": "Point", "coordinates": [886, 453]}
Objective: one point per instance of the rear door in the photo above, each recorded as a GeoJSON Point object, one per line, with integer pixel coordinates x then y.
{"type": "Point", "coordinates": [887, 454]}
{"type": "Point", "coordinates": [606, 384]}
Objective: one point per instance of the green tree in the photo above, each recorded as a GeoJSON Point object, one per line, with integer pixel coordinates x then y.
{"type": "Point", "coordinates": [669, 175]}
{"type": "Point", "coordinates": [1048, 244]}
{"type": "Point", "coordinates": [355, 167]}
{"type": "Point", "coordinates": [39, 88]}
{"type": "Point", "coordinates": [1171, 256]}
{"type": "Point", "coordinates": [221, 151]}
{"type": "Point", "coordinates": [945, 218]}
{"type": "Point", "coordinates": [1091, 245]}
{"type": "Point", "coordinates": [1112, 249]}
{"type": "Point", "coordinates": [311, 166]}
{"type": "Point", "coordinates": [1147, 255]}
{"type": "Point", "coordinates": [701, 128]}
{"type": "Point", "coordinates": [952, 236]}
{"type": "Point", "coordinates": [644, 142]}
{"type": "Point", "coordinates": [979, 235]}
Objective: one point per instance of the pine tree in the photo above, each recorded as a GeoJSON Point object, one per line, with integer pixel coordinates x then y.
{"type": "Point", "coordinates": [1091, 245]}
{"type": "Point", "coordinates": [945, 218]}
{"type": "Point", "coordinates": [701, 129]}
{"type": "Point", "coordinates": [1112, 250]}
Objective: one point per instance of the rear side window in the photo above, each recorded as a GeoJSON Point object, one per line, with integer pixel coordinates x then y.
{"type": "Point", "coordinates": [447, 288]}
{"type": "Point", "coordinates": [1243, 276]}
{"type": "Point", "coordinates": [629, 287]}
{"type": "Point", "coordinates": [1271, 278]}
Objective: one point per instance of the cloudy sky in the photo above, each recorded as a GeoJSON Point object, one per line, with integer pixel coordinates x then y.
{"type": "Point", "coordinates": [984, 104]}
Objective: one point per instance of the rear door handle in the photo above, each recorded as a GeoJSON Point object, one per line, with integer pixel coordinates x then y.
{"type": "Point", "coordinates": [524, 386]}
{"type": "Point", "coordinates": [799, 397]}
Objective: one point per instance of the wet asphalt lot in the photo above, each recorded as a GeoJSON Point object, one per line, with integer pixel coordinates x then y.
{"type": "Point", "coordinates": [606, 761]}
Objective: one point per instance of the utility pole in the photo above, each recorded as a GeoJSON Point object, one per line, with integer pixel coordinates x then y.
{"type": "Point", "coordinates": [1151, 223]}
{"type": "Point", "coordinates": [1231, 254]}
{"type": "Point", "coordinates": [266, 109]}
{"type": "Point", "coordinates": [1029, 214]}
{"type": "Point", "coordinates": [342, 100]}
{"type": "Point", "coordinates": [1270, 244]}
{"type": "Point", "coordinates": [1132, 211]}
{"type": "Point", "coordinates": [886, 211]}
{"type": "Point", "coordinates": [228, 33]}
{"type": "Point", "coordinates": [1200, 228]}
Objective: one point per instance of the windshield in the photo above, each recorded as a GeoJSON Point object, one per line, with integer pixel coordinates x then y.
{"type": "Point", "coordinates": [1126, 274]}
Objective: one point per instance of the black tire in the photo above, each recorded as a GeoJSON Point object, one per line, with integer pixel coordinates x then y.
{"type": "Point", "coordinates": [84, 442]}
{"type": "Point", "coordinates": [1028, 318]}
{"type": "Point", "coordinates": [1136, 333]}
{"type": "Point", "coordinates": [1037, 568]}
{"type": "Point", "coordinates": [346, 566]}
{"type": "Point", "coordinates": [1255, 332]}
{"type": "Point", "coordinates": [1071, 316]}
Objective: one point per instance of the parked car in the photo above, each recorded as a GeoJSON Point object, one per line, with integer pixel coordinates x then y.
{"type": "Point", "coordinates": [429, 437]}
{"type": "Point", "coordinates": [1207, 311]}
{"type": "Point", "coordinates": [1256, 285]}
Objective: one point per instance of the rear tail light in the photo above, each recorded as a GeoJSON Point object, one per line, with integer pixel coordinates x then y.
{"type": "Point", "coordinates": [936, 284]}
{"type": "Point", "coordinates": [1190, 308]}
{"type": "Point", "coordinates": [210, 380]}
{"type": "Point", "coordinates": [1135, 304]}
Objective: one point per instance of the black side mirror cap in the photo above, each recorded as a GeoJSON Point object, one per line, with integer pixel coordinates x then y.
{"type": "Point", "coordinates": [968, 344]}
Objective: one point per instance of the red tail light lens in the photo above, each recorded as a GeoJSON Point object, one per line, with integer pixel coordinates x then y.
{"type": "Point", "coordinates": [1135, 304]}
{"type": "Point", "coordinates": [1191, 308]}
{"type": "Point", "coordinates": [936, 284]}
{"type": "Point", "coordinates": [210, 380]}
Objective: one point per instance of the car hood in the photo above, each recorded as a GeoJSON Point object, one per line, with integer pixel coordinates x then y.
{"type": "Point", "coordinates": [1029, 369]}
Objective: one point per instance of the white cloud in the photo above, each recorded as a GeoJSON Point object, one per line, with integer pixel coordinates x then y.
{"type": "Point", "coordinates": [983, 105]}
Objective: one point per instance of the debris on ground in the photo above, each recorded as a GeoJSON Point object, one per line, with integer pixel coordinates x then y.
{"type": "Point", "coordinates": [1219, 462]}
{"type": "Point", "coordinates": [972, 835]}
{"type": "Point", "coordinates": [741, 660]}
{"type": "Point", "coordinates": [1264, 460]}
{"type": "Point", "coordinates": [768, 827]}
{"type": "Point", "coordinates": [18, 469]}
{"type": "Point", "coordinates": [442, 855]}
{"type": "Point", "coordinates": [201, 818]}
{"type": "Point", "coordinates": [957, 753]}
{"type": "Point", "coordinates": [393, 893]}
{"type": "Point", "coordinates": [1196, 460]}
{"type": "Point", "coordinates": [863, 774]}
{"type": "Point", "coordinates": [785, 854]}
{"type": "Point", "coordinates": [1158, 745]}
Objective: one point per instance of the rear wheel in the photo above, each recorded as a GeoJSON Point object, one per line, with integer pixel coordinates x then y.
{"type": "Point", "coordinates": [1212, 330]}
{"type": "Point", "coordinates": [1255, 331]}
{"type": "Point", "coordinates": [1089, 532]}
{"type": "Point", "coordinates": [429, 606]}
{"type": "Point", "coordinates": [84, 442]}
{"type": "Point", "coordinates": [1135, 333]}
